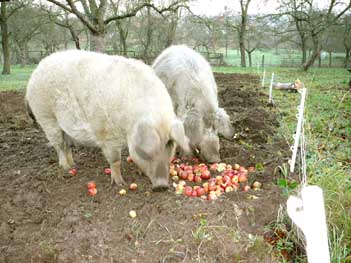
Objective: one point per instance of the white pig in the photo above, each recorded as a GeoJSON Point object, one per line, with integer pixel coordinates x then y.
{"type": "Point", "coordinates": [190, 82]}
{"type": "Point", "coordinates": [106, 102]}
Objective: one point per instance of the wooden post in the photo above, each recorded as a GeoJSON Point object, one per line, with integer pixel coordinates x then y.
{"type": "Point", "coordinates": [308, 214]}
{"type": "Point", "coordinates": [262, 61]}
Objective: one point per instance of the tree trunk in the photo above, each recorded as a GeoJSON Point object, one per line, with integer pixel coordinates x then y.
{"type": "Point", "coordinates": [347, 57]}
{"type": "Point", "coordinates": [5, 42]}
{"type": "Point", "coordinates": [304, 51]}
{"type": "Point", "coordinates": [315, 53]}
{"type": "Point", "coordinates": [319, 60]}
{"type": "Point", "coordinates": [123, 34]}
{"type": "Point", "coordinates": [148, 37]}
{"type": "Point", "coordinates": [250, 58]}
{"type": "Point", "coordinates": [23, 52]}
{"type": "Point", "coordinates": [330, 59]}
{"type": "Point", "coordinates": [75, 37]}
{"type": "Point", "coordinates": [242, 50]}
{"type": "Point", "coordinates": [97, 41]}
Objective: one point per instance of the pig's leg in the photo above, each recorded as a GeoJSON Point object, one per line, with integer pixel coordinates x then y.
{"type": "Point", "coordinates": [56, 137]}
{"type": "Point", "coordinates": [68, 149]}
{"type": "Point", "coordinates": [113, 156]}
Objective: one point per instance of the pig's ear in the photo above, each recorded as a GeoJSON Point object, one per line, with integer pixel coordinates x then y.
{"type": "Point", "coordinates": [194, 127]}
{"type": "Point", "coordinates": [223, 124]}
{"type": "Point", "coordinates": [146, 141]}
{"type": "Point", "coordinates": [178, 135]}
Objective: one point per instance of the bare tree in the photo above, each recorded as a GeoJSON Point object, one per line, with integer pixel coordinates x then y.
{"type": "Point", "coordinates": [315, 21]}
{"type": "Point", "coordinates": [7, 9]}
{"type": "Point", "coordinates": [241, 28]}
{"type": "Point", "coordinates": [96, 16]}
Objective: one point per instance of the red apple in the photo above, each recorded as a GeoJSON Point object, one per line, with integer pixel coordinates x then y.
{"type": "Point", "coordinates": [91, 185]}
{"type": "Point", "coordinates": [92, 191]}
{"type": "Point", "coordinates": [200, 191]}
{"type": "Point", "coordinates": [246, 188]}
{"type": "Point", "coordinates": [129, 159]}
{"type": "Point", "coordinates": [206, 175]}
{"type": "Point", "coordinates": [133, 186]}
{"type": "Point", "coordinates": [194, 193]}
{"type": "Point", "coordinates": [226, 178]}
{"type": "Point", "coordinates": [107, 171]}
{"type": "Point", "coordinates": [183, 175]}
{"type": "Point", "coordinates": [188, 190]}
{"type": "Point", "coordinates": [73, 171]}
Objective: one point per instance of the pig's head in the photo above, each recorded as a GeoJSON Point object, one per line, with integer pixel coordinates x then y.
{"type": "Point", "coordinates": [223, 124]}
{"type": "Point", "coordinates": [151, 148]}
{"type": "Point", "coordinates": [209, 146]}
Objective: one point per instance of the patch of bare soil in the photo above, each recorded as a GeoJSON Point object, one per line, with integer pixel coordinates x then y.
{"type": "Point", "coordinates": [47, 216]}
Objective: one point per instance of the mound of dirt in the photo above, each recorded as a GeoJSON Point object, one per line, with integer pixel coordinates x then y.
{"type": "Point", "coordinates": [47, 216]}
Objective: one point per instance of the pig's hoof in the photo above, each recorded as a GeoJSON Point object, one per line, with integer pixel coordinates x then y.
{"type": "Point", "coordinates": [160, 188]}
{"type": "Point", "coordinates": [117, 181]}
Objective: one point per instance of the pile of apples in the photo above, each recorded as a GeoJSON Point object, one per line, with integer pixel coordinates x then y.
{"type": "Point", "coordinates": [207, 181]}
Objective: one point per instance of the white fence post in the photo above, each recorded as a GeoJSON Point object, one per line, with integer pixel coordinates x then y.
{"type": "Point", "coordinates": [308, 214]}
{"type": "Point", "coordinates": [298, 130]}
{"type": "Point", "coordinates": [263, 77]}
{"type": "Point", "coordinates": [270, 99]}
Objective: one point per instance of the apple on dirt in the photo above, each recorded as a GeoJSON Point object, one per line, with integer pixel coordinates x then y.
{"type": "Point", "coordinates": [246, 188]}
{"type": "Point", "coordinates": [242, 178]}
{"type": "Point", "coordinates": [133, 186]}
{"type": "Point", "coordinates": [92, 191]}
{"type": "Point", "coordinates": [256, 185]}
{"type": "Point", "coordinates": [107, 171]}
{"type": "Point", "coordinates": [183, 175]}
{"type": "Point", "coordinates": [73, 171]}
{"type": "Point", "coordinates": [200, 191]}
{"type": "Point", "coordinates": [188, 190]}
{"type": "Point", "coordinates": [91, 185]}
{"type": "Point", "coordinates": [129, 159]}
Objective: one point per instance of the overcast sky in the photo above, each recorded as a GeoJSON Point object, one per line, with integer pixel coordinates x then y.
{"type": "Point", "coordinates": [215, 7]}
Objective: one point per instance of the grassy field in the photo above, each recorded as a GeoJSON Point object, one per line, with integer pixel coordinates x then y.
{"type": "Point", "coordinates": [327, 130]}
{"type": "Point", "coordinates": [277, 57]}
{"type": "Point", "coordinates": [328, 135]}
{"type": "Point", "coordinates": [18, 79]}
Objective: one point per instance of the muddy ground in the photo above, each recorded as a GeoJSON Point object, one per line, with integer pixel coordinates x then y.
{"type": "Point", "coordinates": [47, 216]}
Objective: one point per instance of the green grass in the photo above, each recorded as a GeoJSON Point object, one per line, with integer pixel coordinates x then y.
{"type": "Point", "coordinates": [17, 79]}
{"type": "Point", "coordinates": [276, 57]}
{"type": "Point", "coordinates": [328, 134]}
